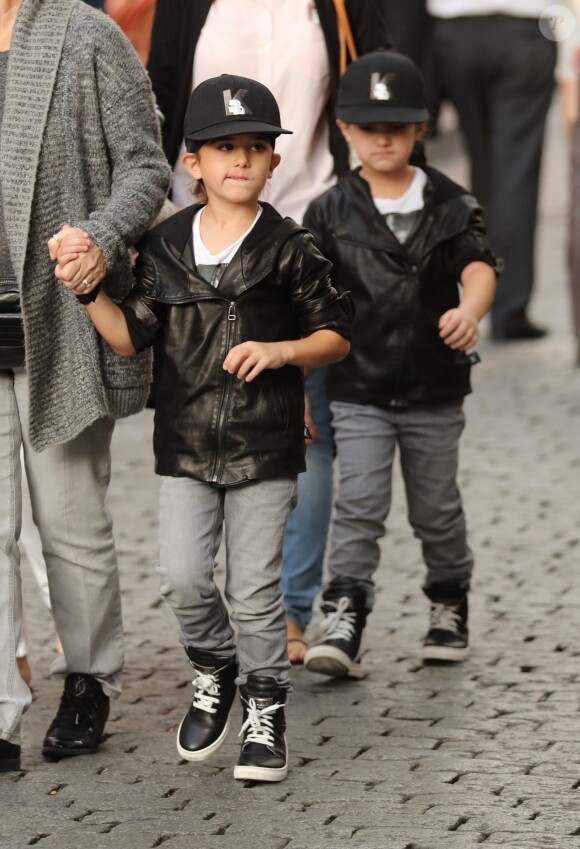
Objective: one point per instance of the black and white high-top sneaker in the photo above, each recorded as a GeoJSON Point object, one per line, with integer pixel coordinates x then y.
{"type": "Point", "coordinates": [447, 638]}
{"type": "Point", "coordinates": [205, 725]}
{"type": "Point", "coordinates": [338, 652]}
{"type": "Point", "coordinates": [264, 756]}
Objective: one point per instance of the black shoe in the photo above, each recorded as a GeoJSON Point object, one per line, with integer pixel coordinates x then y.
{"type": "Point", "coordinates": [77, 728]}
{"type": "Point", "coordinates": [521, 328]}
{"type": "Point", "coordinates": [9, 756]}
{"type": "Point", "coordinates": [338, 652]}
{"type": "Point", "coordinates": [264, 756]}
{"type": "Point", "coordinates": [448, 637]}
{"type": "Point", "coordinates": [205, 725]}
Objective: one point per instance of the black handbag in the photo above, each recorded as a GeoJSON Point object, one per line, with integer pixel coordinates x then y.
{"type": "Point", "coordinates": [11, 327]}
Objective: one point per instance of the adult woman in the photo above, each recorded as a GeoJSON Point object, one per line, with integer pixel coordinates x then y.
{"type": "Point", "coordinates": [78, 145]}
{"type": "Point", "coordinates": [292, 46]}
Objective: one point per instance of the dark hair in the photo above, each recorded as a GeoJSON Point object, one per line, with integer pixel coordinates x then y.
{"type": "Point", "coordinates": [193, 146]}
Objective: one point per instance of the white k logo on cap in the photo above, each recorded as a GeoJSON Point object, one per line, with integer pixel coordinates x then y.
{"type": "Point", "coordinates": [235, 105]}
{"type": "Point", "coordinates": [380, 86]}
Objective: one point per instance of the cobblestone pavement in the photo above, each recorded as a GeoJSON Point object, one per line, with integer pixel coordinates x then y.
{"type": "Point", "coordinates": [412, 757]}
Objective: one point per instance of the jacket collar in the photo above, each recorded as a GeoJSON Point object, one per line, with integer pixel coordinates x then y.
{"type": "Point", "coordinates": [454, 205]}
{"type": "Point", "coordinates": [35, 53]}
{"type": "Point", "coordinates": [254, 261]}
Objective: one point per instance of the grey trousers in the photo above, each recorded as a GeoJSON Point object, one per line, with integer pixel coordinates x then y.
{"type": "Point", "coordinates": [67, 485]}
{"type": "Point", "coordinates": [428, 440]}
{"type": "Point", "coordinates": [192, 515]}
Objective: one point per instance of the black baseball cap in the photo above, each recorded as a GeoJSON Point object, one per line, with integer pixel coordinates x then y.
{"type": "Point", "coordinates": [226, 105]}
{"type": "Point", "coordinates": [382, 87]}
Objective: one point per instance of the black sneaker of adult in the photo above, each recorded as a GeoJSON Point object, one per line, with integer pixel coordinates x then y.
{"type": "Point", "coordinates": [264, 756]}
{"type": "Point", "coordinates": [77, 728]}
{"type": "Point", "coordinates": [344, 603]}
{"type": "Point", "coordinates": [9, 756]}
{"type": "Point", "coordinates": [447, 639]}
{"type": "Point", "coordinates": [204, 727]}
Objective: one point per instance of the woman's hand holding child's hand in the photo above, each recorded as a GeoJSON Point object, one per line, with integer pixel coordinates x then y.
{"type": "Point", "coordinates": [80, 262]}
{"type": "Point", "coordinates": [250, 358]}
{"type": "Point", "coordinates": [459, 329]}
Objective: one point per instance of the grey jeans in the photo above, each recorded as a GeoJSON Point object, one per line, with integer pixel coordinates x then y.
{"type": "Point", "coordinates": [192, 515]}
{"type": "Point", "coordinates": [67, 485]}
{"type": "Point", "coordinates": [428, 440]}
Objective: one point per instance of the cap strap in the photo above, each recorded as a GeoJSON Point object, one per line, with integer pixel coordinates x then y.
{"type": "Point", "coordinates": [345, 36]}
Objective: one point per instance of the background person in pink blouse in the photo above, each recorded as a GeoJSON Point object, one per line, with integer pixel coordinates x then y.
{"type": "Point", "coordinates": [292, 46]}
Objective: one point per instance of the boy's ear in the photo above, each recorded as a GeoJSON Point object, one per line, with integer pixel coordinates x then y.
{"type": "Point", "coordinates": [191, 164]}
{"type": "Point", "coordinates": [420, 130]}
{"type": "Point", "coordinates": [344, 129]}
{"type": "Point", "coordinates": [276, 159]}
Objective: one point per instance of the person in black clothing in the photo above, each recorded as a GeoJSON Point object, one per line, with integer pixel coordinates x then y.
{"type": "Point", "coordinates": [242, 301]}
{"type": "Point", "coordinates": [292, 46]}
{"type": "Point", "coordinates": [400, 239]}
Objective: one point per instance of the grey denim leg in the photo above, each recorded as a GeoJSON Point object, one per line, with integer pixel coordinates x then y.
{"type": "Point", "coordinates": [256, 515]}
{"type": "Point", "coordinates": [429, 446]}
{"type": "Point", "coordinates": [191, 515]}
{"type": "Point", "coordinates": [365, 443]}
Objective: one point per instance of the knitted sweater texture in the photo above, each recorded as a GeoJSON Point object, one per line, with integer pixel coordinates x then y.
{"type": "Point", "coordinates": [79, 145]}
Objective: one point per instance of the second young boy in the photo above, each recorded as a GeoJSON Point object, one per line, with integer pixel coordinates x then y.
{"type": "Point", "coordinates": [400, 238]}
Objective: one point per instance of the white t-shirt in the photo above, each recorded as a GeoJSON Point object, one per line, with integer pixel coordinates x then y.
{"type": "Point", "coordinates": [401, 214]}
{"type": "Point", "coordinates": [281, 44]}
{"type": "Point", "coordinates": [212, 266]}
{"type": "Point", "coordinates": [465, 8]}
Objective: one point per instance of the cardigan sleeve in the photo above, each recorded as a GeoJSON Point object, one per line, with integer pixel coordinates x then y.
{"type": "Point", "coordinates": [140, 174]}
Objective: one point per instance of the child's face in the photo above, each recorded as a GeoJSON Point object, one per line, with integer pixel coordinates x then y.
{"type": "Point", "coordinates": [383, 148]}
{"type": "Point", "coordinates": [233, 169]}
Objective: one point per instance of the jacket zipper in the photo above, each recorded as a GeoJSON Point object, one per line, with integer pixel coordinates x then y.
{"type": "Point", "coordinates": [225, 398]}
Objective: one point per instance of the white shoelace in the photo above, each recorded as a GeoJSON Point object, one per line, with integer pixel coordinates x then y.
{"type": "Point", "coordinates": [445, 617]}
{"type": "Point", "coordinates": [339, 624]}
{"type": "Point", "coordinates": [259, 722]}
{"type": "Point", "coordinates": [207, 692]}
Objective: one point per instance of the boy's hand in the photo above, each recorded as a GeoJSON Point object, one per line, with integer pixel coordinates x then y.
{"type": "Point", "coordinates": [67, 244]}
{"type": "Point", "coordinates": [250, 358]}
{"type": "Point", "coordinates": [459, 329]}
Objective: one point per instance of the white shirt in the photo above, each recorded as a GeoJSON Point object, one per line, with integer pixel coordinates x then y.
{"type": "Point", "coordinates": [281, 44]}
{"type": "Point", "coordinates": [401, 214]}
{"type": "Point", "coordinates": [212, 266]}
{"type": "Point", "coordinates": [464, 8]}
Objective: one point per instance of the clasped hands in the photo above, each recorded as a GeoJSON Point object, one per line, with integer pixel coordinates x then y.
{"type": "Point", "coordinates": [80, 264]}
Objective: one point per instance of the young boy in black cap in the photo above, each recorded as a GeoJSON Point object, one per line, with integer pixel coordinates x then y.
{"type": "Point", "coordinates": [400, 238]}
{"type": "Point", "coordinates": [241, 301]}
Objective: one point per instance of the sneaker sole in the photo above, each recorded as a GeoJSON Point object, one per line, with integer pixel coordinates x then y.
{"type": "Point", "coordinates": [328, 660]}
{"type": "Point", "coordinates": [445, 653]}
{"type": "Point", "coordinates": [259, 773]}
{"type": "Point", "coordinates": [202, 754]}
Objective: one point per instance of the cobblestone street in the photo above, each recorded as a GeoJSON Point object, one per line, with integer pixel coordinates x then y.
{"type": "Point", "coordinates": [412, 757]}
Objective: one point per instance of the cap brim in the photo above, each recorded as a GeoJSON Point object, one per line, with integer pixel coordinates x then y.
{"type": "Point", "coordinates": [233, 128]}
{"type": "Point", "coordinates": [381, 113]}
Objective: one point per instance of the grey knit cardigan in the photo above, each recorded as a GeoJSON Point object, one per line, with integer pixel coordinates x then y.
{"type": "Point", "coordinates": [79, 145]}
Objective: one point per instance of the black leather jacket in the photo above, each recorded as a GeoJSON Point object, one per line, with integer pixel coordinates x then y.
{"type": "Point", "coordinates": [399, 292]}
{"type": "Point", "coordinates": [210, 425]}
